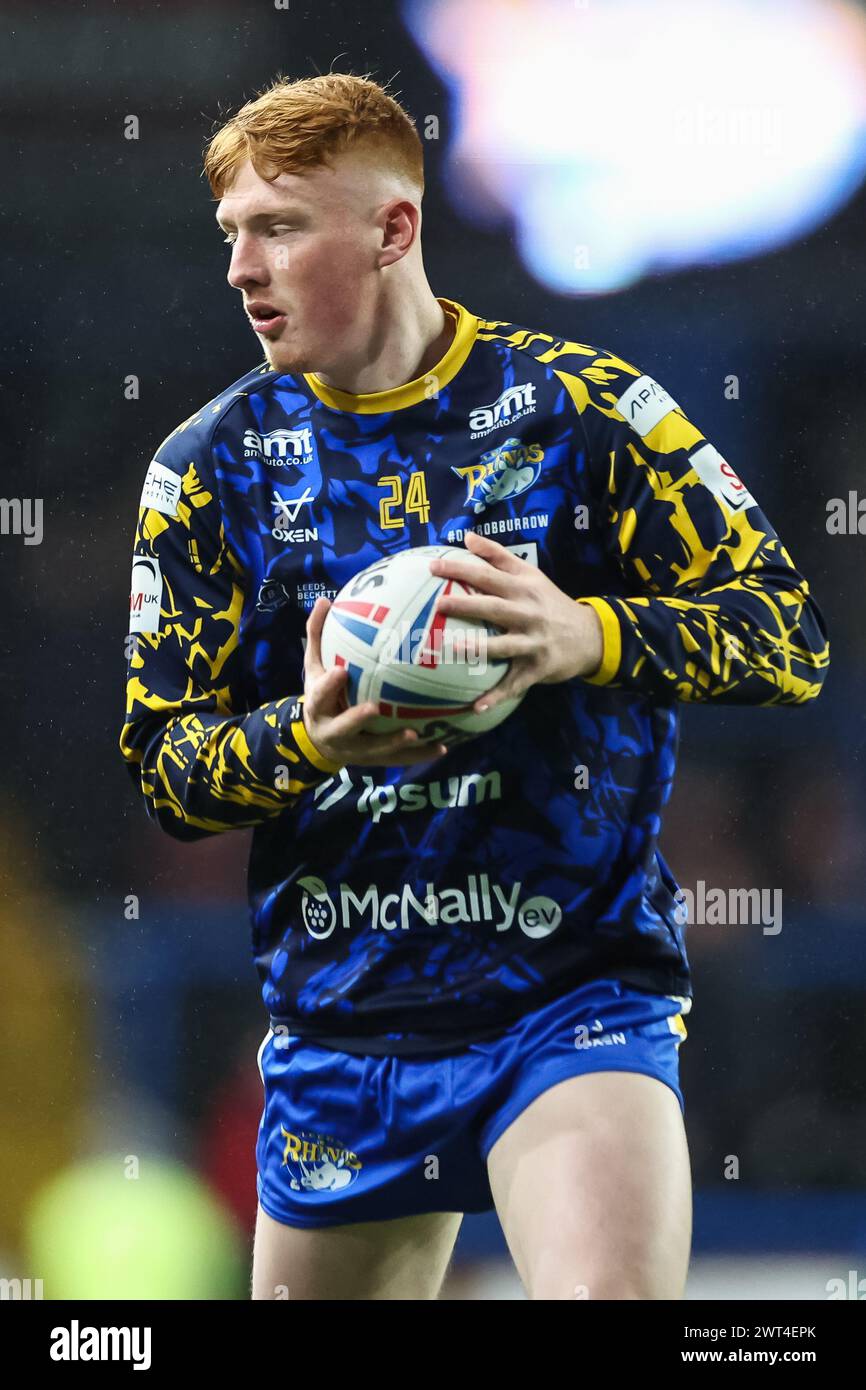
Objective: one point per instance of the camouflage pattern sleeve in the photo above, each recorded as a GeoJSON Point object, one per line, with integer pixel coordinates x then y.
{"type": "Point", "coordinates": [713, 607]}
{"type": "Point", "coordinates": [203, 760]}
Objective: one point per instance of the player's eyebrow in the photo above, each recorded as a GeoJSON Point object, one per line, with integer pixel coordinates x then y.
{"type": "Point", "coordinates": [261, 219]}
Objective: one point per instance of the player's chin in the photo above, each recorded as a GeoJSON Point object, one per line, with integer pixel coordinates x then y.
{"type": "Point", "coordinates": [285, 357]}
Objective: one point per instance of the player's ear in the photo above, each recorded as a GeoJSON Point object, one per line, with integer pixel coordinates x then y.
{"type": "Point", "coordinates": [400, 223]}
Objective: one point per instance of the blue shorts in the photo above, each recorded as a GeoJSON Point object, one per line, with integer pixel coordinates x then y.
{"type": "Point", "coordinates": [347, 1138]}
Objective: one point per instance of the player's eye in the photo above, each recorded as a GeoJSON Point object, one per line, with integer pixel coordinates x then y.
{"type": "Point", "coordinates": [230, 239]}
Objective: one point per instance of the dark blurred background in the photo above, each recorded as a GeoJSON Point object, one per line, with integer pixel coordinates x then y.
{"type": "Point", "coordinates": [112, 269]}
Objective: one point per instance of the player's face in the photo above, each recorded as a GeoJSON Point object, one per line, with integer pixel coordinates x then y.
{"type": "Point", "coordinates": [304, 259]}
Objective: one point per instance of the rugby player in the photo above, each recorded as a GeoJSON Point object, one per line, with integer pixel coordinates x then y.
{"type": "Point", "coordinates": [472, 953]}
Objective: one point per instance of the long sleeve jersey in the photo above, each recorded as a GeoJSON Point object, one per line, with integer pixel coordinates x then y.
{"type": "Point", "coordinates": [417, 909]}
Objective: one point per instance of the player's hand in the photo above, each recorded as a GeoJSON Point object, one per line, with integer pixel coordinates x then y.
{"type": "Point", "coordinates": [340, 733]}
{"type": "Point", "coordinates": [546, 635]}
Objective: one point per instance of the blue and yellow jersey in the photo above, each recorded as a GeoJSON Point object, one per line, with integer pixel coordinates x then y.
{"type": "Point", "coordinates": [418, 908]}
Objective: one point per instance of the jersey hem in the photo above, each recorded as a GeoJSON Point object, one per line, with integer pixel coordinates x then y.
{"type": "Point", "coordinates": [435, 1045]}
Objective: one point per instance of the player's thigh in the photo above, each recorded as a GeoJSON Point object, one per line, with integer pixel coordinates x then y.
{"type": "Point", "coordinates": [401, 1259]}
{"type": "Point", "coordinates": [593, 1189]}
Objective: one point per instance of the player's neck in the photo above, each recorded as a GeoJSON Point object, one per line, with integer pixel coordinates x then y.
{"type": "Point", "coordinates": [407, 345]}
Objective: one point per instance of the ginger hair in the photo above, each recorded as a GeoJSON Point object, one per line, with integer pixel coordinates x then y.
{"type": "Point", "coordinates": [293, 126]}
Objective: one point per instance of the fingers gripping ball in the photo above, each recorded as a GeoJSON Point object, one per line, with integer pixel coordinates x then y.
{"type": "Point", "coordinates": [422, 669]}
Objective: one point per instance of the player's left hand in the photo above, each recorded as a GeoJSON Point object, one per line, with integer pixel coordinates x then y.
{"type": "Point", "coordinates": [546, 635]}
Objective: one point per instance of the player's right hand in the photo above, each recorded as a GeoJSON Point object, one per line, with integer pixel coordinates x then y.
{"type": "Point", "coordinates": [340, 733]}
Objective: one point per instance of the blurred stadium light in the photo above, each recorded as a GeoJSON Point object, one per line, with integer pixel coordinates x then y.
{"type": "Point", "coordinates": [619, 150]}
{"type": "Point", "coordinates": [101, 1224]}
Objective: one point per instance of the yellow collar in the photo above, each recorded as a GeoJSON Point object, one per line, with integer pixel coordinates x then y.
{"type": "Point", "coordinates": [411, 392]}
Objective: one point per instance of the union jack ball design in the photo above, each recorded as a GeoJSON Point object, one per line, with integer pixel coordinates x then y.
{"type": "Point", "coordinates": [424, 670]}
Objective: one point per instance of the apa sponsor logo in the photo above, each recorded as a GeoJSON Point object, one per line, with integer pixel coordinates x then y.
{"type": "Point", "coordinates": [501, 473]}
{"type": "Point", "coordinates": [478, 900]}
{"type": "Point", "coordinates": [280, 448]}
{"type": "Point", "coordinates": [287, 511]}
{"type": "Point", "coordinates": [317, 1163]}
{"type": "Point", "coordinates": [383, 799]}
{"type": "Point", "coordinates": [511, 405]}
{"type": "Point", "coordinates": [145, 595]}
{"type": "Point", "coordinates": [161, 490]}
{"type": "Point", "coordinates": [644, 404]}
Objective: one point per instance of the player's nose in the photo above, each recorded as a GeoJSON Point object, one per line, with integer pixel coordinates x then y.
{"type": "Point", "coordinates": [247, 266]}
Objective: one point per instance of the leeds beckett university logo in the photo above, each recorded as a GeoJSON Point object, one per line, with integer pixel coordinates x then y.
{"type": "Point", "coordinates": [318, 1164]}
{"type": "Point", "coordinates": [501, 473]}
{"type": "Point", "coordinates": [272, 595]}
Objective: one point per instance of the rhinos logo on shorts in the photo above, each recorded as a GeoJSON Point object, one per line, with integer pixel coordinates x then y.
{"type": "Point", "coordinates": [318, 1164]}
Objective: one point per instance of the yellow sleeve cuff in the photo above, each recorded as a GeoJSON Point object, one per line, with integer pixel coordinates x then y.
{"type": "Point", "coordinates": [309, 749]}
{"type": "Point", "coordinates": [611, 635]}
